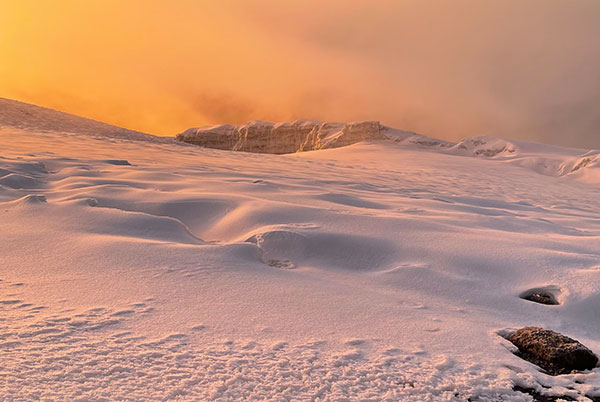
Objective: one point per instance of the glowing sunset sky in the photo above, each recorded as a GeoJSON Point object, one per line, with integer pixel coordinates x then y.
{"type": "Point", "coordinates": [449, 69]}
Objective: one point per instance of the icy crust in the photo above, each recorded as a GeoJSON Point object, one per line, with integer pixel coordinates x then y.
{"type": "Point", "coordinates": [89, 355]}
{"type": "Point", "coordinates": [282, 138]}
{"type": "Point", "coordinates": [24, 116]}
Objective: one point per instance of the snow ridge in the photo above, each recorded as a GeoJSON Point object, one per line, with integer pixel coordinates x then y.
{"type": "Point", "coordinates": [24, 116]}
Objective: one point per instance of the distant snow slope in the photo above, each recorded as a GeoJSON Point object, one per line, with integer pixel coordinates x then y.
{"type": "Point", "coordinates": [25, 116]}
{"type": "Point", "coordinates": [146, 271]}
{"type": "Point", "coordinates": [308, 135]}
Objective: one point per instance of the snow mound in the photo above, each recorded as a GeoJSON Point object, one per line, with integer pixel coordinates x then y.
{"type": "Point", "coordinates": [484, 146]}
{"type": "Point", "coordinates": [287, 249]}
{"type": "Point", "coordinates": [413, 139]}
{"type": "Point", "coordinates": [584, 163]}
{"type": "Point", "coordinates": [31, 199]}
{"type": "Point", "coordinates": [24, 116]}
{"type": "Point", "coordinates": [282, 138]}
{"type": "Point", "coordinates": [563, 162]}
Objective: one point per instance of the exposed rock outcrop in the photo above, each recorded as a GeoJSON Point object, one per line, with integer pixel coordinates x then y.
{"type": "Point", "coordinates": [553, 352]}
{"type": "Point", "coordinates": [542, 295]}
{"type": "Point", "coordinates": [282, 138]}
{"type": "Point", "coordinates": [542, 298]}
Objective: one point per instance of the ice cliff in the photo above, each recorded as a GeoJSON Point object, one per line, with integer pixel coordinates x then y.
{"type": "Point", "coordinates": [282, 138]}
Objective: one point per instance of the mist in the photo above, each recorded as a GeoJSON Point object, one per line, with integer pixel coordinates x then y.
{"type": "Point", "coordinates": [524, 70]}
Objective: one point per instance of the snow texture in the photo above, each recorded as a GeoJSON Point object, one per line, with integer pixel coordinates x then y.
{"type": "Point", "coordinates": [309, 135]}
{"type": "Point", "coordinates": [24, 116]}
{"type": "Point", "coordinates": [387, 270]}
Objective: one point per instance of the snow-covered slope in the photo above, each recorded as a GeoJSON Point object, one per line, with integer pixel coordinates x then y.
{"type": "Point", "coordinates": [135, 270]}
{"type": "Point", "coordinates": [15, 114]}
{"type": "Point", "coordinates": [308, 135]}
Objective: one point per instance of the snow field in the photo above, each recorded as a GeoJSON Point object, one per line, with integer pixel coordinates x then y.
{"type": "Point", "coordinates": [136, 270]}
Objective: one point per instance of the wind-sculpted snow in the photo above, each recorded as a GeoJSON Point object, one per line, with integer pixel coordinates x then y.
{"type": "Point", "coordinates": [385, 270]}
{"type": "Point", "coordinates": [91, 355]}
{"type": "Point", "coordinates": [146, 271]}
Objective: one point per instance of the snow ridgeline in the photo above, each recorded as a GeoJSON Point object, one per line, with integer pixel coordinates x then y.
{"type": "Point", "coordinates": [24, 116]}
{"type": "Point", "coordinates": [282, 138]}
{"type": "Point", "coordinates": [309, 135]}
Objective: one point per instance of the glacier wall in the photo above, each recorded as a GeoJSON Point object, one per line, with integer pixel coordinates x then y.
{"type": "Point", "coordinates": [282, 138]}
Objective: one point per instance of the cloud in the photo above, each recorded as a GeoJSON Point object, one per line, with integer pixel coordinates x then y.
{"type": "Point", "coordinates": [518, 69]}
{"type": "Point", "coordinates": [218, 108]}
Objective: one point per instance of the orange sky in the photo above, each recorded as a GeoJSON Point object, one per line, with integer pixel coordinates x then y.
{"type": "Point", "coordinates": [521, 69]}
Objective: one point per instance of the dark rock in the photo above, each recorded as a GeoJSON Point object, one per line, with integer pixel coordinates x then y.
{"type": "Point", "coordinates": [545, 295]}
{"type": "Point", "coordinates": [542, 298]}
{"type": "Point", "coordinates": [553, 352]}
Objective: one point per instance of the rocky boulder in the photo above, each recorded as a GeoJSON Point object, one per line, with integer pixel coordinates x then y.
{"type": "Point", "coordinates": [543, 295]}
{"type": "Point", "coordinates": [553, 352]}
